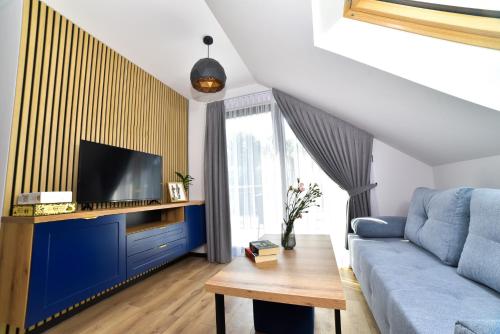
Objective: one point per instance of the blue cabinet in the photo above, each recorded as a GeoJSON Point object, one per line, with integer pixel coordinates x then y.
{"type": "Point", "coordinates": [194, 216]}
{"type": "Point", "coordinates": [73, 260]}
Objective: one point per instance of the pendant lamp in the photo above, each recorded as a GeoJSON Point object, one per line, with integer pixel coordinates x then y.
{"type": "Point", "coordinates": [207, 75]}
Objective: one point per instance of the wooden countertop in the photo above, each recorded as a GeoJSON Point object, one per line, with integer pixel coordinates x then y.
{"type": "Point", "coordinates": [97, 213]}
{"type": "Point", "coordinates": [307, 275]}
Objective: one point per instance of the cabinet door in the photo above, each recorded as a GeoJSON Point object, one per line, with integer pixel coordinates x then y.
{"type": "Point", "coordinates": [73, 260]}
{"type": "Point", "coordinates": [197, 230]}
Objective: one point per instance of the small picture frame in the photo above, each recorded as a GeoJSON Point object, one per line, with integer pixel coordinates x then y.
{"type": "Point", "coordinates": [176, 192]}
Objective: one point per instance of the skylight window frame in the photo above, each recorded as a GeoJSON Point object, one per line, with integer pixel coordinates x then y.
{"type": "Point", "coordinates": [468, 29]}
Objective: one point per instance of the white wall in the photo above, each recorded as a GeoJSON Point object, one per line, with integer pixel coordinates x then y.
{"type": "Point", "coordinates": [479, 173]}
{"type": "Point", "coordinates": [196, 147]}
{"type": "Point", "coordinates": [10, 36]}
{"type": "Point", "coordinates": [397, 175]}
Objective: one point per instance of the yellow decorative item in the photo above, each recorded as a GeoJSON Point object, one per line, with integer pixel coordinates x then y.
{"type": "Point", "coordinates": [35, 210]}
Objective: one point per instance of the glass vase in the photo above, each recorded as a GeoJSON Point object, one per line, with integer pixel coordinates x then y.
{"type": "Point", "coordinates": [287, 236]}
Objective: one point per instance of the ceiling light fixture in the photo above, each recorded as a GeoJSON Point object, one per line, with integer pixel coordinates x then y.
{"type": "Point", "coordinates": [207, 75]}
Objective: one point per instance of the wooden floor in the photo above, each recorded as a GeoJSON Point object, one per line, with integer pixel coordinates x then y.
{"type": "Point", "coordinates": [174, 301]}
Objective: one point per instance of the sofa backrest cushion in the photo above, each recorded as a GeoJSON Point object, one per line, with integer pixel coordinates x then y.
{"type": "Point", "coordinates": [480, 260]}
{"type": "Point", "coordinates": [438, 221]}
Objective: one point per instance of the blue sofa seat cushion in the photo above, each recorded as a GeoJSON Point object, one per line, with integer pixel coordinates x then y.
{"type": "Point", "coordinates": [477, 327]}
{"type": "Point", "coordinates": [480, 259]}
{"type": "Point", "coordinates": [379, 227]}
{"type": "Point", "coordinates": [410, 291]}
{"type": "Point", "coordinates": [439, 221]}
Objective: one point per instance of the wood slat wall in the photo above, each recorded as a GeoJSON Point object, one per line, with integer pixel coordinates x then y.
{"type": "Point", "coordinates": [70, 86]}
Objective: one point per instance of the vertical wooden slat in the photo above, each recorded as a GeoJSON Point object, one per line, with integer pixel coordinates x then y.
{"type": "Point", "coordinates": [42, 99]}
{"type": "Point", "coordinates": [99, 92]}
{"type": "Point", "coordinates": [125, 103]}
{"type": "Point", "coordinates": [62, 128]}
{"type": "Point", "coordinates": [74, 125]}
{"type": "Point", "coordinates": [104, 98]}
{"type": "Point", "coordinates": [112, 128]}
{"type": "Point", "coordinates": [93, 74]}
{"type": "Point", "coordinates": [52, 183]}
{"type": "Point", "coordinates": [118, 102]}
{"type": "Point", "coordinates": [70, 87]}
{"type": "Point", "coordinates": [24, 115]}
{"type": "Point", "coordinates": [47, 131]}
{"type": "Point", "coordinates": [80, 105]}
{"type": "Point", "coordinates": [31, 163]}
{"type": "Point", "coordinates": [68, 130]}
{"type": "Point", "coordinates": [132, 137]}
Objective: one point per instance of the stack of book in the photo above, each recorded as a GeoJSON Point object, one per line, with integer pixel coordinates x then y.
{"type": "Point", "coordinates": [262, 251]}
{"type": "Point", "coordinates": [44, 204]}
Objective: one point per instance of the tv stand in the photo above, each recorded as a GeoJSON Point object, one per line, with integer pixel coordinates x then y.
{"type": "Point", "coordinates": [87, 206]}
{"type": "Point", "coordinates": [132, 240]}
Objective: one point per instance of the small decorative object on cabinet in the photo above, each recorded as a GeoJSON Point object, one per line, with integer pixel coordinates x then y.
{"type": "Point", "coordinates": [187, 180]}
{"type": "Point", "coordinates": [176, 191]}
{"type": "Point", "coordinates": [298, 200]}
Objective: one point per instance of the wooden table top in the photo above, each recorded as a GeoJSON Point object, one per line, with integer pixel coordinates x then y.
{"type": "Point", "coordinates": [307, 275]}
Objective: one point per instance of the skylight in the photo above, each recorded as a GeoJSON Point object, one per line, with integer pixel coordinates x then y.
{"type": "Point", "coordinates": [484, 8]}
{"type": "Point", "coordinates": [474, 22]}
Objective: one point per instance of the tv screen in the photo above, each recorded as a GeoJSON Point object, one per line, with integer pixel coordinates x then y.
{"type": "Point", "coordinates": [112, 174]}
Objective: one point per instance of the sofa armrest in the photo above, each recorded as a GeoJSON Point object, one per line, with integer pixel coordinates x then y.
{"type": "Point", "coordinates": [379, 227]}
{"type": "Point", "coordinates": [477, 326]}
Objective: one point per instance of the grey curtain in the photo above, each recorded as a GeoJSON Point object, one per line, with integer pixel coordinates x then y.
{"type": "Point", "coordinates": [217, 185]}
{"type": "Point", "coordinates": [343, 151]}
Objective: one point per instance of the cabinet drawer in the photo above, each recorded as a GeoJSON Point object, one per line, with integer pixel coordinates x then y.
{"type": "Point", "coordinates": [150, 239]}
{"type": "Point", "coordinates": [150, 258]}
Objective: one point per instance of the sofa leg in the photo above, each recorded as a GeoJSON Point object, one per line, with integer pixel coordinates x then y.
{"type": "Point", "coordinates": [338, 327]}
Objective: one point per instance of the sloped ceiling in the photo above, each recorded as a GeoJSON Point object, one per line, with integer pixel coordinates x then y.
{"type": "Point", "coordinates": [270, 42]}
{"type": "Point", "coordinates": [275, 40]}
{"type": "Point", "coordinates": [162, 37]}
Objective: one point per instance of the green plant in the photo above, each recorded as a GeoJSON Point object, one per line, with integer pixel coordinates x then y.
{"type": "Point", "coordinates": [187, 180]}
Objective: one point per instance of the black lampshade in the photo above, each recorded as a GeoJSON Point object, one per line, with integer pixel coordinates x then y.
{"type": "Point", "coordinates": [207, 75]}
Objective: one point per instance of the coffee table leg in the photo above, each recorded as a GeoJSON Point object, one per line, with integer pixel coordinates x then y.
{"type": "Point", "coordinates": [338, 327]}
{"type": "Point", "coordinates": [220, 317]}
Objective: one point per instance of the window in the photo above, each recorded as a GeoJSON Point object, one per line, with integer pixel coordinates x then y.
{"type": "Point", "coordinates": [464, 21]}
{"type": "Point", "coordinates": [264, 158]}
{"type": "Point", "coordinates": [254, 177]}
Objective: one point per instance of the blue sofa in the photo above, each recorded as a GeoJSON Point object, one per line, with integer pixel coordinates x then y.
{"type": "Point", "coordinates": [436, 270]}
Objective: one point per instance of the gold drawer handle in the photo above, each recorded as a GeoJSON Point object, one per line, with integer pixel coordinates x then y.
{"type": "Point", "coordinates": [163, 246]}
{"type": "Point", "coordinates": [89, 218]}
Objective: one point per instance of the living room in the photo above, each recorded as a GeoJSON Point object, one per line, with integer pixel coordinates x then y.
{"type": "Point", "coordinates": [219, 166]}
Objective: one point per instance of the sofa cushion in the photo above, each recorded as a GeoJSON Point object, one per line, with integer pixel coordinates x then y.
{"type": "Point", "coordinates": [410, 291]}
{"type": "Point", "coordinates": [439, 221]}
{"type": "Point", "coordinates": [379, 227]}
{"type": "Point", "coordinates": [480, 257]}
{"type": "Point", "coordinates": [477, 327]}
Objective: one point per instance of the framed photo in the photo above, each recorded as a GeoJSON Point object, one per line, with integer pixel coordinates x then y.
{"type": "Point", "coordinates": [176, 191]}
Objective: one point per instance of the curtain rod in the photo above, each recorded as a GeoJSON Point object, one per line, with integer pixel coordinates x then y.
{"type": "Point", "coordinates": [237, 97]}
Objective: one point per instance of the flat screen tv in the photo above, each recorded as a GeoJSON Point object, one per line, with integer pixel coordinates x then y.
{"type": "Point", "coordinates": [112, 174]}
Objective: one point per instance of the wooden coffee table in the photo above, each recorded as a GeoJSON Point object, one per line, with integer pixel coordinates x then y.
{"type": "Point", "coordinates": [306, 276]}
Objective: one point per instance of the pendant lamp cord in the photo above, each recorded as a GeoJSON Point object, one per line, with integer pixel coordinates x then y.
{"type": "Point", "coordinates": [208, 51]}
